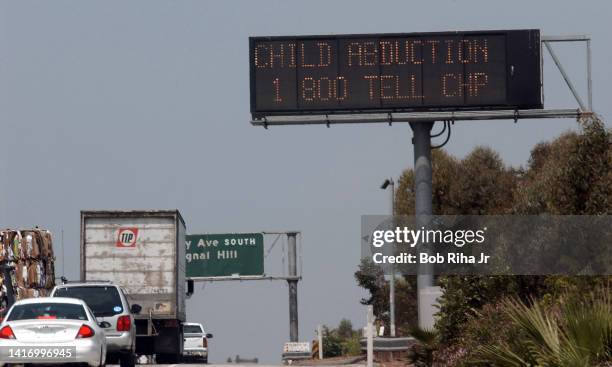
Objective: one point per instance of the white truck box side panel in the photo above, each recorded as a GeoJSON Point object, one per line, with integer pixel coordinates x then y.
{"type": "Point", "coordinates": [182, 282]}
{"type": "Point", "coordinates": [147, 271]}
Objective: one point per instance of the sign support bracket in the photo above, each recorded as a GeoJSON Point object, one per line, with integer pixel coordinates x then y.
{"type": "Point", "coordinates": [547, 40]}
{"type": "Point", "coordinates": [241, 278]}
{"type": "Point", "coordinates": [369, 118]}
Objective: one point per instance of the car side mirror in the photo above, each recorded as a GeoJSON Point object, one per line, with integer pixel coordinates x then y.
{"type": "Point", "coordinates": [104, 324]}
{"type": "Point", "coordinates": [209, 336]}
{"type": "Point", "coordinates": [135, 309]}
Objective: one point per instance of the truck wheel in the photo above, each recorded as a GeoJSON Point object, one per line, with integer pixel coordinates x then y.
{"type": "Point", "coordinates": [127, 360]}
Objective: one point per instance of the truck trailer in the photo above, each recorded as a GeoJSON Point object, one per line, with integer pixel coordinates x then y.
{"type": "Point", "coordinates": [144, 253]}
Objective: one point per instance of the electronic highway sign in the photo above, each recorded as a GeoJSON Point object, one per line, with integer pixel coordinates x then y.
{"type": "Point", "coordinates": [395, 72]}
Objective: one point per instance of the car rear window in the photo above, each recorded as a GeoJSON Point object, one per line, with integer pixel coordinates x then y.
{"type": "Point", "coordinates": [44, 311]}
{"type": "Point", "coordinates": [192, 329]}
{"type": "Point", "coordinates": [103, 301]}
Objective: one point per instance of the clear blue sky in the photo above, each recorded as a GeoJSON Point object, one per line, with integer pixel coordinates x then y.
{"type": "Point", "coordinates": [145, 104]}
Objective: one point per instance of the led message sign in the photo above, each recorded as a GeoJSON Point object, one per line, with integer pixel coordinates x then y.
{"type": "Point", "coordinates": [395, 72]}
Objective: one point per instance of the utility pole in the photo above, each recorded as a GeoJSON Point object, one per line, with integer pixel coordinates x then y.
{"type": "Point", "coordinates": [292, 281]}
{"type": "Point", "coordinates": [370, 336]}
{"type": "Point", "coordinates": [320, 338]}
{"type": "Point", "coordinates": [392, 281]}
{"type": "Point", "coordinates": [387, 183]}
{"type": "Point", "coordinates": [423, 207]}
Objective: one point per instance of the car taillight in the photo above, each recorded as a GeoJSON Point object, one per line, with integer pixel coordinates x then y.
{"type": "Point", "coordinates": [204, 343]}
{"type": "Point", "coordinates": [7, 333]}
{"type": "Point", "coordinates": [124, 323]}
{"type": "Point", "coordinates": [85, 332]}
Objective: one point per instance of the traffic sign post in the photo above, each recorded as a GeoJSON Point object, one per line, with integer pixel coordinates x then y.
{"type": "Point", "coordinates": [423, 206]}
{"type": "Point", "coordinates": [293, 283]}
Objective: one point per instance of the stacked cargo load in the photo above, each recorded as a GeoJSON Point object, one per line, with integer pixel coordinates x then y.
{"type": "Point", "coordinates": [29, 253]}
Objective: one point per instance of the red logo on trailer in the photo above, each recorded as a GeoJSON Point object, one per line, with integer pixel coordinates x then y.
{"type": "Point", "coordinates": [127, 237]}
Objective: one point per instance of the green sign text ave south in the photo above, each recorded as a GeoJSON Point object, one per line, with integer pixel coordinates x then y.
{"type": "Point", "coordinates": [217, 255]}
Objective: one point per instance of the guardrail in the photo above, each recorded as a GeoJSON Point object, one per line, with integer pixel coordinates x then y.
{"type": "Point", "coordinates": [389, 344]}
{"type": "Point", "coordinates": [389, 349]}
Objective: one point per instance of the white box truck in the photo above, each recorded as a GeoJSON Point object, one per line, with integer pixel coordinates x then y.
{"type": "Point", "coordinates": [144, 253]}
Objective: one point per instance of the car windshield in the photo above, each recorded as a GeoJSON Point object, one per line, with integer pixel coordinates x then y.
{"type": "Point", "coordinates": [47, 311]}
{"type": "Point", "coordinates": [103, 300]}
{"type": "Point", "coordinates": [192, 329]}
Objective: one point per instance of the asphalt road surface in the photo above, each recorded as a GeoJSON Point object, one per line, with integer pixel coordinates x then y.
{"type": "Point", "coordinates": [207, 365]}
{"type": "Point", "coordinates": [232, 365]}
{"type": "Point", "coordinates": [211, 365]}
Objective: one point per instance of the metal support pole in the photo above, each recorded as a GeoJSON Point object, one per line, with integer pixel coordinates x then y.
{"type": "Point", "coordinates": [370, 336]}
{"type": "Point", "coordinates": [293, 283]}
{"type": "Point", "coordinates": [320, 337]}
{"type": "Point", "coordinates": [423, 204]}
{"type": "Point", "coordinates": [392, 281]}
{"type": "Point", "coordinates": [589, 79]}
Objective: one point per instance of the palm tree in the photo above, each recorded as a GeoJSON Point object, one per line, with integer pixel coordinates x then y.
{"type": "Point", "coordinates": [580, 336]}
{"type": "Point", "coordinates": [427, 344]}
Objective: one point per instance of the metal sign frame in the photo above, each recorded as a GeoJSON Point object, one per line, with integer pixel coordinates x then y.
{"type": "Point", "coordinates": [292, 279]}
{"type": "Point", "coordinates": [237, 277]}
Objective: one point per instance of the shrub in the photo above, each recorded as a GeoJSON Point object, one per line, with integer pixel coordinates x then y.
{"type": "Point", "coordinates": [352, 346]}
{"type": "Point", "coordinates": [332, 345]}
{"type": "Point", "coordinates": [342, 341]}
{"type": "Point", "coordinates": [580, 334]}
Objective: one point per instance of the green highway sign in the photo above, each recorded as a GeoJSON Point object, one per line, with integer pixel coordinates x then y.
{"type": "Point", "coordinates": [221, 255]}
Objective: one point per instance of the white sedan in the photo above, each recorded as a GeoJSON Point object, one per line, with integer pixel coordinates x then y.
{"type": "Point", "coordinates": [51, 331]}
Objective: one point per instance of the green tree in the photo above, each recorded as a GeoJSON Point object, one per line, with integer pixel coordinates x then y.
{"type": "Point", "coordinates": [332, 344]}
{"type": "Point", "coordinates": [478, 184]}
{"type": "Point", "coordinates": [345, 329]}
{"type": "Point", "coordinates": [341, 341]}
{"type": "Point", "coordinates": [568, 175]}
{"type": "Point", "coordinates": [371, 277]}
